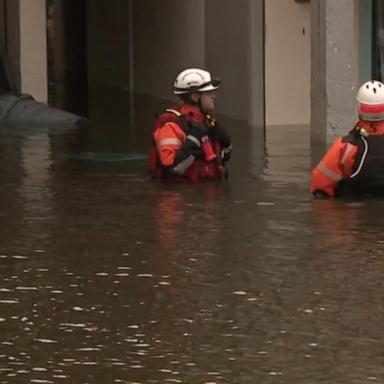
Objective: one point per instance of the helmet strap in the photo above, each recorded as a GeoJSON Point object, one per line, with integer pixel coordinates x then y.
{"type": "Point", "coordinates": [187, 98]}
{"type": "Point", "coordinates": [193, 101]}
{"type": "Point", "coordinates": [199, 104]}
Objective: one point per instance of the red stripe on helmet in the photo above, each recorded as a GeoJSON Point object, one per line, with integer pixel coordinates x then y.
{"type": "Point", "coordinates": [366, 108]}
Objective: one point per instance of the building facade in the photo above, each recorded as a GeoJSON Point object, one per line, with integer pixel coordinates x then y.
{"type": "Point", "coordinates": [283, 62]}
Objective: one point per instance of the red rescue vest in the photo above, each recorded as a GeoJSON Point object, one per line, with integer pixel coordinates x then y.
{"type": "Point", "coordinates": [200, 170]}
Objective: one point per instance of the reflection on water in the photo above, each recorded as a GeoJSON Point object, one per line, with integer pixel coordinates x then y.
{"type": "Point", "coordinates": [107, 277]}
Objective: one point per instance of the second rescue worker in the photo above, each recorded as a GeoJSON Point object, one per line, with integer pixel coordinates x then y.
{"type": "Point", "coordinates": [354, 164]}
{"type": "Point", "coordinates": [188, 143]}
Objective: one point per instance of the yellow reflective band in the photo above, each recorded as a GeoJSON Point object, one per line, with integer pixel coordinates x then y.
{"type": "Point", "coordinates": [177, 113]}
{"type": "Point", "coordinates": [170, 141]}
{"type": "Point", "coordinates": [181, 167]}
{"type": "Point", "coordinates": [348, 149]}
{"type": "Point", "coordinates": [328, 172]}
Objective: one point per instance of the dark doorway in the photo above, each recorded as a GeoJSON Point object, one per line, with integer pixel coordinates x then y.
{"type": "Point", "coordinates": [4, 82]}
{"type": "Point", "coordinates": [67, 55]}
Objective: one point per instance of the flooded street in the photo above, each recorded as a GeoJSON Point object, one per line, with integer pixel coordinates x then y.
{"type": "Point", "coordinates": [107, 277]}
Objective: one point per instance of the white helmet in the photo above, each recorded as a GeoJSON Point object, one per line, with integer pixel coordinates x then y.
{"type": "Point", "coordinates": [371, 101]}
{"type": "Point", "coordinates": [194, 80]}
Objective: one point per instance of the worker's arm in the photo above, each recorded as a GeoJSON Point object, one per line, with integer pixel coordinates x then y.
{"type": "Point", "coordinates": [335, 165]}
{"type": "Point", "coordinates": [177, 150]}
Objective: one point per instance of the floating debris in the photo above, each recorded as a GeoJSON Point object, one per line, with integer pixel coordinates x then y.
{"type": "Point", "coordinates": [47, 341]}
{"type": "Point", "coordinates": [75, 325]}
{"type": "Point", "coordinates": [9, 301]}
{"type": "Point", "coordinates": [241, 293]}
{"type": "Point", "coordinates": [88, 349]}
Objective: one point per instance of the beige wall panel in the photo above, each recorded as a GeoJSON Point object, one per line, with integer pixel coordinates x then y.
{"type": "Point", "coordinates": [287, 62]}
{"type": "Point", "coordinates": [33, 49]}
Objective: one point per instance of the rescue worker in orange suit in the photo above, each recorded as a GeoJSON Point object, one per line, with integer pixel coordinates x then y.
{"type": "Point", "coordinates": [354, 165]}
{"type": "Point", "coordinates": [189, 145]}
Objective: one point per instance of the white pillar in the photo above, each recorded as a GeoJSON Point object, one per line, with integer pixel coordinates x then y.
{"type": "Point", "coordinates": [335, 68]}
{"type": "Point", "coordinates": [33, 49]}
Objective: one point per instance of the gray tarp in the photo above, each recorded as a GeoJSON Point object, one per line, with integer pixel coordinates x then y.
{"type": "Point", "coordinates": [25, 109]}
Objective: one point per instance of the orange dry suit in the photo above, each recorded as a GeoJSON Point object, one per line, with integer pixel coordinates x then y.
{"type": "Point", "coordinates": [180, 137]}
{"type": "Point", "coordinates": [354, 164]}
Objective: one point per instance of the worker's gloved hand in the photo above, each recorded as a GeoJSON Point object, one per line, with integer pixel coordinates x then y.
{"type": "Point", "coordinates": [226, 153]}
{"type": "Point", "coordinates": [320, 194]}
{"type": "Point", "coordinates": [218, 133]}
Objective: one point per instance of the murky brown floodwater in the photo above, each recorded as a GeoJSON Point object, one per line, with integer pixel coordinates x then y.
{"type": "Point", "coordinates": [107, 277]}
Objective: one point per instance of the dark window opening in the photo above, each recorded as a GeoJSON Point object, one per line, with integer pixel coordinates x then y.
{"type": "Point", "coordinates": [67, 55]}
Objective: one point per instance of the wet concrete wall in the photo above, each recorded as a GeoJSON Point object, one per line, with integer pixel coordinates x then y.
{"type": "Point", "coordinates": [108, 47]}
{"type": "Point", "coordinates": [215, 35]}
{"type": "Point", "coordinates": [162, 38]}
{"type": "Point", "coordinates": [140, 46]}
{"type": "Point", "coordinates": [335, 67]}
{"type": "Point", "coordinates": [227, 53]}
{"type": "Point", "coordinates": [12, 39]}
{"type": "Point", "coordinates": [168, 37]}
{"type": "Point", "coordinates": [2, 23]}
{"type": "Point", "coordinates": [137, 48]}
